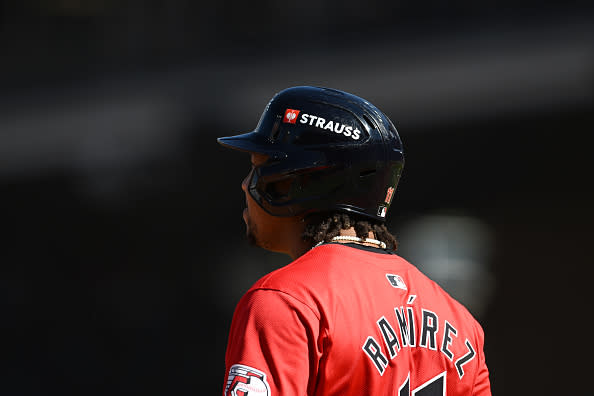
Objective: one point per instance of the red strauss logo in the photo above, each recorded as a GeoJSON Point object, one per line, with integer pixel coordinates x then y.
{"type": "Point", "coordinates": [291, 116]}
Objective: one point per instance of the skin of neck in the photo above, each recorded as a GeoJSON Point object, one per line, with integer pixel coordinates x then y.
{"type": "Point", "coordinates": [351, 232]}
{"type": "Point", "coordinates": [297, 247]}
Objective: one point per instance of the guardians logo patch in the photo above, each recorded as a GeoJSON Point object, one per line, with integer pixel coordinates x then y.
{"type": "Point", "coordinates": [246, 381]}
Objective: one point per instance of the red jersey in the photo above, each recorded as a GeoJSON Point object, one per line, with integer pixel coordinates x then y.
{"type": "Point", "coordinates": [348, 320]}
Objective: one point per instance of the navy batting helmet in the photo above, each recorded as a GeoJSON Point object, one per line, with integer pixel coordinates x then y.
{"type": "Point", "coordinates": [328, 151]}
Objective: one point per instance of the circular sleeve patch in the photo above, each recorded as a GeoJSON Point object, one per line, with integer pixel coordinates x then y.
{"type": "Point", "coordinates": [246, 381]}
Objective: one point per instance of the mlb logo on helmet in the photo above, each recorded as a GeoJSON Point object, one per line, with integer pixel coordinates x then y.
{"type": "Point", "coordinates": [381, 211]}
{"type": "Point", "coordinates": [291, 116]}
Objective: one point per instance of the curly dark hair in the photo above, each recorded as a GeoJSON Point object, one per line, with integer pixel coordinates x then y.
{"type": "Point", "coordinates": [322, 227]}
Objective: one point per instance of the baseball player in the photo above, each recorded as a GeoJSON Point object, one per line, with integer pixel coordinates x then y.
{"type": "Point", "coordinates": [348, 316]}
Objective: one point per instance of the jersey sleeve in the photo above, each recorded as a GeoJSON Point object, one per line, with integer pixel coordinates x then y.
{"type": "Point", "coordinates": [482, 385]}
{"type": "Point", "coordinates": [274, 346]}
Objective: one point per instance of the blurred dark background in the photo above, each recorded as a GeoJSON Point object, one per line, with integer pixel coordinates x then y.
{"type": "Point", "coordinates": [124, 250]}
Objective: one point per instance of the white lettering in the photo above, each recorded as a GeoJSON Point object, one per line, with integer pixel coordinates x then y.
{"type": "Point", "coordinates": [330, 125]}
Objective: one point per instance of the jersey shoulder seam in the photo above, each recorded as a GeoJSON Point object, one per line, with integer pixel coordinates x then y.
{"type": "Point", "coordinates": [287, 294]}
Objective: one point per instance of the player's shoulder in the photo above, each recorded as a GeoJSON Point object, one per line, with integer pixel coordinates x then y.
{"type": "Point", "coordinates": [300, 272]}
{"type": "Point", "coordinates": [432, 294]}
{"type": "Point", "coordinates": [325, 264]}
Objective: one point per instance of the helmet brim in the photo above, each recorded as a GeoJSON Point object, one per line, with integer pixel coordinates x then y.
{"type": "Point", "coordinates": [251, 142]}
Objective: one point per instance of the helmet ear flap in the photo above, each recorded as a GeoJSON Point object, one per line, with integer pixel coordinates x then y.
{"type": "Point", "coordinates": [279, 190]}
{"type": "Point", "coordinates": [307, 185]}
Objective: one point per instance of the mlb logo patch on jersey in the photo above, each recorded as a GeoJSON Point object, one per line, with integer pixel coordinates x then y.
{"type": "Point", "coordinates": [396, 281]}
{"type": "Point", "coordinates": [291, 116]}
{"type": "Point", "coordinates": [245, 380]}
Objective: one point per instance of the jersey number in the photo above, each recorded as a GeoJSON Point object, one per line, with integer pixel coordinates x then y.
{"type": "Point", "coordinates": [434, 387]}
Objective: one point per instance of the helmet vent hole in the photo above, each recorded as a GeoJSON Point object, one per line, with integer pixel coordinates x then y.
{"type": "Point", "coordinates": [369, 122]}
{"type": "Point", "coordinates": [275, 130]}
{"type": "Point", "coordinates": [366, 173]}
